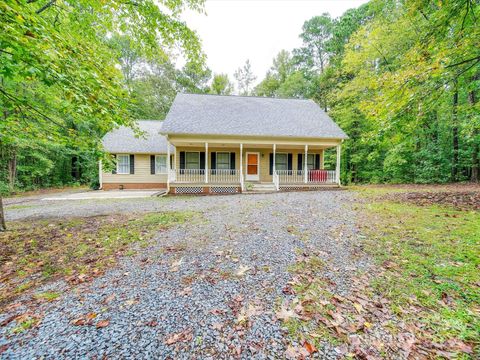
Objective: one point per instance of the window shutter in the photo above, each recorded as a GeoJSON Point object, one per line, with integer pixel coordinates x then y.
{"type": "Point", "coordinates": [232, 161]}
{"type": "Point", "coordinates": [213, 160]}
{"type": "Point", "coordinates": [317, 161]}
{"type": "Point", "coordinates": [152, 164]}
{"type": "Point", "coordinates": [114, 171]}
{"type": "Point", "coordinates": [182, 160]}
{"type": "Point", "coordinates": [132, 164]}
{"type": "Point", "coordinates": [289, 161]}
{"type": "Point", "coordinates": [202, 160]}
{"type": "Point", "coordinates": [300, 163]}
{"type": "Point", "coordinates": [172, 162]}
{"type": "Point", "coordinates": [271, 164]}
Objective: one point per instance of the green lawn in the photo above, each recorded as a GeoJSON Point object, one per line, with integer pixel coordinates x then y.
{"type": "Point", "coordinates": [431, 257]}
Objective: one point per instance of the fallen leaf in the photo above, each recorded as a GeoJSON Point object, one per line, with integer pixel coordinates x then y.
{"type": "Point", "coordinates": [79, 321]}
{"type": "Point", "coordinates": [310, 348]}
{"type": "Point", "coordinates": [242, 270]}
{"type": "Point", "coordinates": [217, 326]}
{"type": "Point", "coordinates": [183, 336]}
{"type": "Point", "coordinates": [294, 353]}
{"type": "Point", "coordinates": [358, 307]}
{"type": "Point", "coordinates": [103, 323]}
{"type": "Point", "coordinates": [131, 302]}
{"type": "Point", "coordinates": [176, 265]}
{"type": "Point", "coordinates": [285, 314]}
{"type": "Point", "coordinates": [109, 298]}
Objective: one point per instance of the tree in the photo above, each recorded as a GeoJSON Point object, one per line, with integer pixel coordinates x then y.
{"type": "Point", "coordinates": [221, 85]}
{"type": "Point", "coordinates": [153, 90]}
{"type": "Point", "coordinates": [294, 86]}
{"type": "Point", "coordinates": [59, 83]}
{"type": "Point", "coordinates": [316, 34]}
{"type": "Point", "coordinates": [245, 78]}
{"type": "Point", "coordinates": [193, 78]}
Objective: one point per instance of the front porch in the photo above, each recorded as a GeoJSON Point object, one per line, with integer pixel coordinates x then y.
{"type": "Point", "coordinates": [226, 168]}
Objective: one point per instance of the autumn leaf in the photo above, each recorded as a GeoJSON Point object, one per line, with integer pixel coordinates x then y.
{"type": "Point", "coordinates": [242, 270]}
{"type": "Point", "coordinates": [103, 323]}
{"type": "Point", "coordinates": [183, 336]}
{"type": "Point", "coordinates": [294, 353]}
{"type": "Point", "coordinates": [310, 348]}
{"type": "Point", "coordinates": [285, 314]}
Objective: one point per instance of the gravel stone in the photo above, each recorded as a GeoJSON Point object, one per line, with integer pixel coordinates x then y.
{"type": "Point", "coordinates": [153, 300]}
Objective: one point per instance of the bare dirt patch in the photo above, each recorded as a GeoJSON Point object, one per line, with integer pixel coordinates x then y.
{"type": "Point", "coordinates": [461, 200]}
{"type": "Point", "coordinates": [459, 196]}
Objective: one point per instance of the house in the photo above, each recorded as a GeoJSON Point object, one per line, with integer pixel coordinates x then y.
{"type": "Point", "coordinates": [227, 144]}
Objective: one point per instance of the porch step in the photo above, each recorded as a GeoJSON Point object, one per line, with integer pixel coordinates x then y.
{"type": "Point", "coordinates": [262, 188]}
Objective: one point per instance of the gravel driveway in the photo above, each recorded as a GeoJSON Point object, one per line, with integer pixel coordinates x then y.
{"type": "Point", "coordinates": [205, 289]}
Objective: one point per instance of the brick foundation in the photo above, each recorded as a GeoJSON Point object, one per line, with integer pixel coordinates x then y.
{"type": "Point", "coordinates": [133, 186]}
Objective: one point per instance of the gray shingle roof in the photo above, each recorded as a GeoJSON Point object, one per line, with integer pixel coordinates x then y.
{"type": "Point", "coordinates": [254, 116]}
{"type": "Point", "coordinates": [123, 140]}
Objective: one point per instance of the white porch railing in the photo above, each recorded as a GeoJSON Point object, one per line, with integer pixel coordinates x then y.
{"type": "Point", "coordinates": [187, 175]}
{"type": "Point", "coordinates": [280, 177]}
{"type": "Point", "coordinates": [224, 176]}
{"type": "Point", "coordinates": [215, 176]}
{"type": "Point", "coordinates": [313, 177]}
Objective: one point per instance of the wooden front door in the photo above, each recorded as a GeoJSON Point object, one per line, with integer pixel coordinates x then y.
{"type": "Point", "coordinates": [253, 166]}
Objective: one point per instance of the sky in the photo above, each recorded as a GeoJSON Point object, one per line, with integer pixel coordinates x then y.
{"type": "Point", "coordinates": [233, 31]}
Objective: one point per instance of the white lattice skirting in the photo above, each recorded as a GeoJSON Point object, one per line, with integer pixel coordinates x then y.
{"type": "Point", "coordinates": [224, 189]}
{"type": "Point", "coordinates": [304, 188]}
{"type": "Point", "coordinates": [189, 190]}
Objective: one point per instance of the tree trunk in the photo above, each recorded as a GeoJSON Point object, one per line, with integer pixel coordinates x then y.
{"type": "Point", "coordinates": [455, 133]}
{"type": "Point", "coordinates": [472, 99]}
{"type": "Point", "coordinates": [3, 226]}
{"type": "Point", "coordinates": [12, 170]}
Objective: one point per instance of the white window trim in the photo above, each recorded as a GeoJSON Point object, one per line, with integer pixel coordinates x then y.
{"type": "Point", "coordinates": [193, 152]}
{"type": "Point", "coordinates": [128, 162]}
{"type": "Point", "coordinates": [156, 159]}
{"type": "Point", "coordinates": [229, 159]}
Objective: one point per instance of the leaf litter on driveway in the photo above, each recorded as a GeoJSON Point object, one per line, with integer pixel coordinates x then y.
{"type": "Point", "coordinates": [183, 304]}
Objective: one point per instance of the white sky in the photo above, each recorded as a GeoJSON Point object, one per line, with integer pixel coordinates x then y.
{"type": "Point", "coordinates": [233, 31]}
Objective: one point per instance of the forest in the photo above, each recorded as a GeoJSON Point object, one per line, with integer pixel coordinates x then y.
{"type": "Point", "coordinates": [402, 78]}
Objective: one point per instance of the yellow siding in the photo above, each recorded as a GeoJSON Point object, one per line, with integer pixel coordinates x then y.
{"type": "Point", "coordinates": [142, 173]}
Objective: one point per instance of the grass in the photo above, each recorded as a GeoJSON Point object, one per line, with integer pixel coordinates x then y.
{"type": "Point", "coordinates": [33, 253]}
{"type": "Point", "coordinates": [431, 257]}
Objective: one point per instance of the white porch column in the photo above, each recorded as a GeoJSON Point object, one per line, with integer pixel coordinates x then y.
{"type": "Point", "coordinates": [274, 152]}
{"type": "Point", "coordinates": [168, 165]}
{"type": "Point", "coordinates": [241, 166]}
{"type": "Point", "coordinates": [100, 174]}
{"type": "Point", "coordinates": [337, 169]}
{"type": "Point", "coordinates": [206, 163]}
{"type": "Point", "coordinates": [305, 167]}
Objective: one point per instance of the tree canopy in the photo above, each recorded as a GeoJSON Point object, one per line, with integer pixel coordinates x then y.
{"type": "Point", "coordinates": [60, 79]}
{"type": "Point", "coordinates": [402, 79]}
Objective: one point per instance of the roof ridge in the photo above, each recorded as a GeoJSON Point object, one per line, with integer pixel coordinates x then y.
{"type": "Point", "coordinates": [245, 96]}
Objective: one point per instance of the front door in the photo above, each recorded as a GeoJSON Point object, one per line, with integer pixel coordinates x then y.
{"type": "Point", "coordinates": [253, 166]}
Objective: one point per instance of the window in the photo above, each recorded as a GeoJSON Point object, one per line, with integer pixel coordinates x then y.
{"type": "Point", "coordinates": [123, 164]}
{"type": "Point", "coordinates": [310, 161]}
{"type": "Point", "coordinates": [160, 164]}
{"type": "Point", "coordinates": [192, 160]}
{"type": "Point", "coordinates": [281, 162]}
{"type": "Point", "coordinates": [223, 161]}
